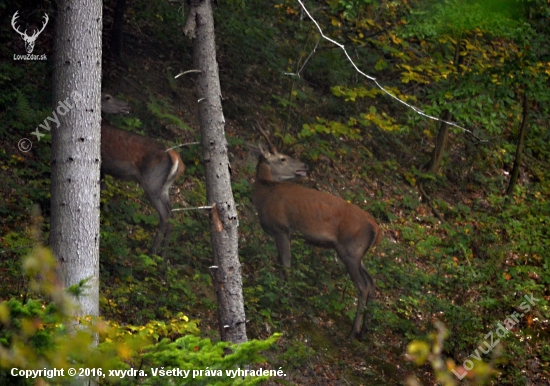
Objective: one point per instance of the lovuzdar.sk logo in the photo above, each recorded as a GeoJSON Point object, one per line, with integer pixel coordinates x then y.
{"type": "Point", "coordinates": [29, 40]}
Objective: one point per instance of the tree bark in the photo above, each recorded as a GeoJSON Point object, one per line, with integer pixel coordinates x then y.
{"type": "Point", "coordinates": [519, 149]}
{"type": "Point", "coordinates": [434, 166]}
{"type": "Point", "coordinates": [226, 270]}
{"type": "Point", "coordinates": [74, 235]}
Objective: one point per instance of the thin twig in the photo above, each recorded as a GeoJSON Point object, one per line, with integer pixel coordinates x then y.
{"type": "Point", "coordinates": [430, 203]}
{"type": "Point", "coordinates": [305, 62]}
{"type": "Point", "coordinates": [197, 208]}
{"type": "Point", "coordinates": [194, 208]}
{"type": "Point", "coordinates": [182, 145]}
{"type": "Point", "coordinates": [187, 72]}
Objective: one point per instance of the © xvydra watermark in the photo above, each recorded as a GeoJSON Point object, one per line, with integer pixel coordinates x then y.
{"type": "Point", "coordinates": [502, 330]}
{"type": "Point", "coordinates": [29, 40]}
{"type": "Point", "coordinates": [63, 107]}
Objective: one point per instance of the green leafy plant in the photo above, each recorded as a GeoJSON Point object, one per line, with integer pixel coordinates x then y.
{"type": "Point", "coordinates": [40, 333]}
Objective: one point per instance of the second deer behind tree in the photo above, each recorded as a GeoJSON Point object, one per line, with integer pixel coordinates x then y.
{"type": "Point", "coordinates": [132, 157]}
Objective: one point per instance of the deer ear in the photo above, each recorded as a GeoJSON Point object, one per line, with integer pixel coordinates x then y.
{"type": "Point", "coordinates": [262, 150]}
{"type": "Point", "coordinates": [255, 150]}
{"type": "Point", "coordinates": [266, 152]}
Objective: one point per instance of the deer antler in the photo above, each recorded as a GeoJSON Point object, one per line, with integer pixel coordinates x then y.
{"type": "Point", "coordinates": [272, 148]}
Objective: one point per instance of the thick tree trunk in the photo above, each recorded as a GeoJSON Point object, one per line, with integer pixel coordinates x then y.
{"type": "Point", "coordinates": [519, 149]}
{"type": "Point", "coordinates": [226, 269]}
{"type": "Point", "coordinates": [74, 236]}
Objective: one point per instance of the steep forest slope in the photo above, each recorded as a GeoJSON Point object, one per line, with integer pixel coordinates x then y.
{"type": "Point", "coordinates": [464, 244]}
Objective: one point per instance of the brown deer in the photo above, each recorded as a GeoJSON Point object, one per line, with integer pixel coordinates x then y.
{"type": "Point", "coordinates": [133, 157]}
{"type": "Point", "coordinates": [322, 219]}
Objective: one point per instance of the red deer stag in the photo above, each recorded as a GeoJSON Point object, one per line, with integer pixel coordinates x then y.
{"type": "Point", "coordinates": [322, 219]}
{"type": "Point", "coordinates": [133, 157]}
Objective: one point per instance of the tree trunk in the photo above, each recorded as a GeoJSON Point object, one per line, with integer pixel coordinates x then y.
{"type": "Point", "coordinates": [519, 149]}
{"type": "Point", "coordinates": [74, 235]}
{"type": "Point", "coordinates": [434, 165]}
{"type": "Point", "coordinates": [226, 269]}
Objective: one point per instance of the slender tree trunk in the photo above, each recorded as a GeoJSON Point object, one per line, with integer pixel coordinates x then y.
{"type": "Point", "coordinates": [434, 165]}
{"type": "Point", "coordinates": [519, 149]}
{"type": "Point", "coordinates": [74, 236]}
{"type": "Point", "coordinates": [226, 269]}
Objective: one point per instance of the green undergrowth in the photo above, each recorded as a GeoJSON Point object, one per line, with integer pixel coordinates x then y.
{"type": "Point", "coordinates": [39, 332]}
{"type": "Point", "coordinates": [466, 256]}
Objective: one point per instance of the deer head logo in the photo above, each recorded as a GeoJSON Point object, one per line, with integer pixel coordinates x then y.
{"type": "Point", "coordinates": [29, 40]}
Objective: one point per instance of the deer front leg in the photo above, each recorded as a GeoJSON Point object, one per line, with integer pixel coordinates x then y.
{"type": "Point", "coordinates": [282, 240]}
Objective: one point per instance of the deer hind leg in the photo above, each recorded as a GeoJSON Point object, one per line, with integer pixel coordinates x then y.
{"type": "Point", "coordinates": [158, 195]}
{"type": "Point", "coordinates": [364, 285]}
{"type": "Point", "coordinates": [164, 209]}
{"type": "Point", "coordinates": [371, 293]}
{"type": "Point", "coordinates": [166, 237]}
{"type": "Point", "coordinates": [164, 206]}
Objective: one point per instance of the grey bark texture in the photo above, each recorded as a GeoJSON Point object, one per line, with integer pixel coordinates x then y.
{"type": "Point", "coordinates": [74, 236]}
{"type": "Point", "coordinates": [226, 270]}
